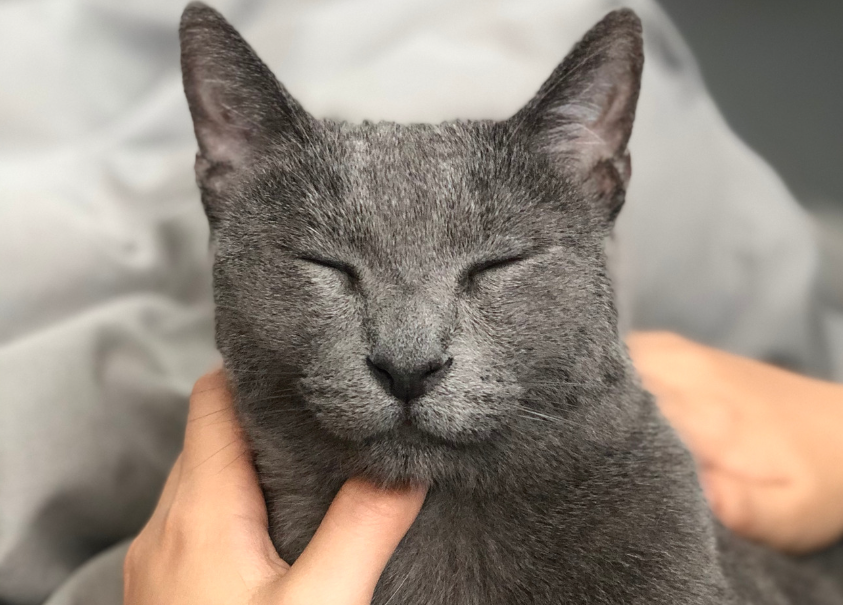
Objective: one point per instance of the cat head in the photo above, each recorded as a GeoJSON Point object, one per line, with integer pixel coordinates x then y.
{"type": "Point", "coordinates": [414, 302]}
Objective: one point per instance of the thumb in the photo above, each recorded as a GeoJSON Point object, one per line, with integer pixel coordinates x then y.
{"type": "Point", "coordinates": [360, 531]}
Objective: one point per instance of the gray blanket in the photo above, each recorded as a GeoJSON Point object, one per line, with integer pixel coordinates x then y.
{"type": "Point", "coordinates": [105, 308]}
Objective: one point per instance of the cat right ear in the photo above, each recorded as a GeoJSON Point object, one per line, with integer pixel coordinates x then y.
{"type": "Point", "coordinates": [239, 109]}
{"type": "Point", "coordinates": [582, 116]}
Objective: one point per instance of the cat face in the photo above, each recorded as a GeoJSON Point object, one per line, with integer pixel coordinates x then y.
{"type": "Point", "coordinates": [412, 297]}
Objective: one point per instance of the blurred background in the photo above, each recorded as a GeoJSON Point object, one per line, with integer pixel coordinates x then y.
{"type": "Point", "coordinates": [775, 68]}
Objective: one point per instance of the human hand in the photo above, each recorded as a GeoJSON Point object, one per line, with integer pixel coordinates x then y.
{"type": "Point", "coordinates": [207, 540]}
{"type": "Point", "coordinates": [767, 441]}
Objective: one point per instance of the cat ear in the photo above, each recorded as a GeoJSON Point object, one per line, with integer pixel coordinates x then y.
{"type": "Point", "coordinates": [582, 115]}
{"type": "Point", "coordinates": [238, 107]}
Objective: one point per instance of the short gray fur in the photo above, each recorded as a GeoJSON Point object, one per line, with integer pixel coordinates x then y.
{"type": "Point", "coordinates": [474, 251]}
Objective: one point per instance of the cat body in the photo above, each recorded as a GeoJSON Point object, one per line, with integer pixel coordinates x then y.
{"type": "Point", "coordinates": [430, 304]}
{"type": "Point", "coordinates": [571, 537]}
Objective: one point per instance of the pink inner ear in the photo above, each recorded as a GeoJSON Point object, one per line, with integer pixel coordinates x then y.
{"type": "Point", "coordinates": [615, 114]}
{"type": "Point", "coordinates": [223, 133]}
{"type": "Point", "coordinates": [597, 122]}
{"type": "Point", "coordinates": [608, 176]}
{"type": "Point", "coordinates": [593, 127]}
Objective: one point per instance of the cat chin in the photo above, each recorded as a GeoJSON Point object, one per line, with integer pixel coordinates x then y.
{"type": "Point", "coordinates": [411, 456]}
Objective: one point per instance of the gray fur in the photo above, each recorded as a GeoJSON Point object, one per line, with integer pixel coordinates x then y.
{"type": "Point", "coordinates": [553, 478]}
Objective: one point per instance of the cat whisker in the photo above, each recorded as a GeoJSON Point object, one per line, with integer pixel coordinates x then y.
{"type": "Point", "coordinates": [275, 389]}
{"type": "Point", "coordinates": [195, 418]}
{"type": "Point", "coordinates": [267, 372]}
{"type": "Point", "coordinates": [558, 383]}
{"type": "Point", "coordinates": [210, 390]}
{"type": "Point", "coordinates": [268, 399]}
{"type": "Point", "coordinates": [398, 588]}
{"type": "Point", "coordinates": [235, 459]}
{"type": "Point", "coordinates": [536, 415]}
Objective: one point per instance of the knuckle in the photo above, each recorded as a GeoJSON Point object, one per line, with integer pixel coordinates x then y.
{"type": "Point", "coordinates": [190, 524]}
{"type": "Point", "coordinates": [734, 510]}
{"type": "Point", "coordinates": [135, 561]}
{"type": "Point", "coordinates": [177, 530]}
{"type": "Point", "coordinates": [735, 518]}
{"type": "Point", "coordinates": [803, 495]}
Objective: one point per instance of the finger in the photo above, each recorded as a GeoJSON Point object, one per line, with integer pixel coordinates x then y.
{"type": "Point", "coordinates": [758, 511]}
{"type": "Point", "coordinates": [349, 551]}
{"type": "Point", "coordinates": [658, 350]}
{"type": "Point", "coordinates": [213, 439]}
{"type": "Point", "coordinates": [706, 425]}
{"type": "Point", "coordinates": [707, 431]}
{"type": "Point", "coordinates": [217, 474]}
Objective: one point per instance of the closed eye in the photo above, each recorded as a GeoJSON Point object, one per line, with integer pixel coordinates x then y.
{"type": "Point", "coordinates": [344, 268]}
{"type": "Point", "coordinates": [491, 264]}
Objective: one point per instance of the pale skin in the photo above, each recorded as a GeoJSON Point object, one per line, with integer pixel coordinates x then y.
{"type": "Point", "coordinates": [766, 442]}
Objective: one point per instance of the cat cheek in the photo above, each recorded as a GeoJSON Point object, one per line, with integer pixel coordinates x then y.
{"type": "Point", "coordinates": [348, 407]}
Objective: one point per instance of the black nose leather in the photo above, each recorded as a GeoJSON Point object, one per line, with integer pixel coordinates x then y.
{"type": "Point", "coordinates": [408, 382]}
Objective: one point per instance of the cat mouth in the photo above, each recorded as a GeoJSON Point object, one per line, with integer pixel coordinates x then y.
{"type": "Point", "coordinates": [409, 454]}
{"type": "Point", "coordinates": [414, 430]}
{"type": "Point", "coordinates": [410, 433]}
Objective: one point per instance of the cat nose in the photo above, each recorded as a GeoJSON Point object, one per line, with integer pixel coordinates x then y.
{"type": "Point", "coordinates": [408, 382]}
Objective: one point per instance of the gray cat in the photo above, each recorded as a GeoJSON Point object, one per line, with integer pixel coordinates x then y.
{"type": "Point", "coordinates": [431, 304]}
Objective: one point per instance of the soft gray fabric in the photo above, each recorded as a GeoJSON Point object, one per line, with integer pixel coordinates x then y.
{"type": "Point", "coordinates": [100, 580]}
{"type": "Point", "coordinates": [105, 312]}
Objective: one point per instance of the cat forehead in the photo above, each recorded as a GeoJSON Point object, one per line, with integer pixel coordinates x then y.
{"type": "Point", "coordinates": [417, 155]}
{"type": "Point", "coordinates": [452, 184]}
{"type": "Point", "coordinates": [453, 166]}
{"type": "Point", "coordinates": [393, 168]}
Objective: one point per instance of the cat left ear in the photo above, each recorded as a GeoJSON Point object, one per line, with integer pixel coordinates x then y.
{"type": "Point", "coordinates": [239, 108]}
{"type": "Point", "coordinates": [582, 115]}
